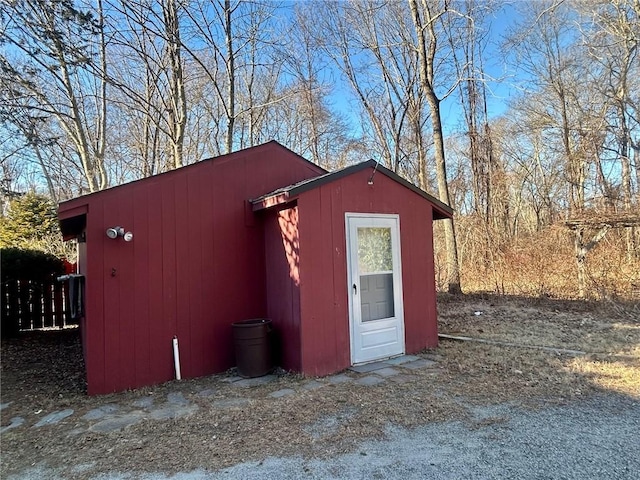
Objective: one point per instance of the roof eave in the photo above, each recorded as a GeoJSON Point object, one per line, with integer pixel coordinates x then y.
{"type": "Point", "coordinates": [287, 194]}
{"type": "Point", "coordinates": [270, 201]}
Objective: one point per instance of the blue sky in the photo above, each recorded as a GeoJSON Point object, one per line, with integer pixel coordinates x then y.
{"type": "Point", "coordinates": [500, 84]}
{"type": "Point", "coordinates": [501, 76]}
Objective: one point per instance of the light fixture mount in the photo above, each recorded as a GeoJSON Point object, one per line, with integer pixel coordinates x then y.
{"type": "Point", "coordinates": [115, 232]}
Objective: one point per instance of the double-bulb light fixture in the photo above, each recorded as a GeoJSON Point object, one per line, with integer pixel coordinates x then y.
{"type": "Point", "coordinates": [115, 232]}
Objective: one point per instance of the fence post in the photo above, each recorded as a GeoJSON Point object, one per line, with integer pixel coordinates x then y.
{"type": "Point", "coordinates": [66, 301]}
{"type": "Point", "coordinates": [10, 309]}
{"type": "Point", "coordinates": [24, 316]}
{"type": "Point", "coordinates": [36, 305]}
{"type": "Point", "coordinates": [47, 310]}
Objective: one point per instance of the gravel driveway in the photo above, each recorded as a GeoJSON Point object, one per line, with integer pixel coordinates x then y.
{"type": "Point", "coordinates": [598, 438]}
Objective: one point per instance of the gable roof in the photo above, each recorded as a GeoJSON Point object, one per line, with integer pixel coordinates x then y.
{"type": "Point", "coordinates": [72, 213]}
{"type": "Point", "coordinates": [71, 203]}
{"type": "Point", "coordinates": [289, 193]}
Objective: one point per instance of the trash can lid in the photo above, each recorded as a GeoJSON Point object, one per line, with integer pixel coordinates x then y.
{"type": "Point", "coordinates": [252, 322]}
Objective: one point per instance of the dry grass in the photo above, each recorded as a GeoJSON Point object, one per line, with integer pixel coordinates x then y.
{"type": "Point", "coordinates": [618, 375]}
{"type": "Point", "coordinates": [332, 419]}
{"type": "Point", "coordinates": [609, 333]}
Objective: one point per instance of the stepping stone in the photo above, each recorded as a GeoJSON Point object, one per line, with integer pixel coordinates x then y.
{"type": "Point", "coordinates": [4, 405]}
{"type": "Point", "coordinates": [254, 382]}
{"type": "Point", "coordinates": [101, 412]}
{"type": "Point", "coordinates": [231, 402]}
{"type": "Point", "coordinates": [387, 372]}
{"type": "Point", "coordinates": [370, 380]}
{"type": "Point", "coordinates": [417, 364]}
{"type": "Point", "coordinates": [312, 385]}
{"type": "Point", "coordinates": [401, 359]}
{"type": "Point", "coordinates": [15, 422]}
{"type": "Point", "coordinates": [172, 411]}
{"type": "Point", "coordinates": [282, 393]}
{"type": "Point", "coordinates": [118, 422]}
{"type": "Point", "coordinates": [54, 417]}
{"type": "Point", "coordinates": [232, 379]}
{"type": "Point", "coordinates": [209, 392]}
{"type": "Point", "coordinates": [368, 367]}
{"type": "Point", "coordinates": [340, 378]}
{"type": "Point", "coordinates": [177, 398]}
{"type": "Point", "coordinates": [145, 402]}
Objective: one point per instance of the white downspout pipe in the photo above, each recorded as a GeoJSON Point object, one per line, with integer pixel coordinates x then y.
{"type": "Point", "coordinates": [176, 358]}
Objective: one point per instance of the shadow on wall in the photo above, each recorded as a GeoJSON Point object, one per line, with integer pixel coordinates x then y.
{"type": "Point", "coordinates": [288, 221]}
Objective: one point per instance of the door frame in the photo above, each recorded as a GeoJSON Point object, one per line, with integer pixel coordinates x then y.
{"type": "Point", "coordinates": [374, 220]}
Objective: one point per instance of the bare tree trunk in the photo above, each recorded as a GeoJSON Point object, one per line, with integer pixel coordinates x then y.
{"type": "Point", "coordinates": [178, 105]}
{"type": "Point", "coordinates": [636, 160]}
{"type": "Point", "coordinates": [45, 171]}
{"type": "Point", "coordinates": [231, 77]}
{"type": "Point", "coordinates": [582, 249]}
{"type": "Point", "coordinates": [101, 121]}
{"type": "Point", "coordinates": [627, 190]}
{"type": "Point", "coordinates": [415, 119]}
{"type": "Point", "coordinates": [426, 51]}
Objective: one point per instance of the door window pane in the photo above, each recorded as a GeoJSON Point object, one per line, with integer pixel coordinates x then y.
{"type": "Point", "coordinates": [374, 250]}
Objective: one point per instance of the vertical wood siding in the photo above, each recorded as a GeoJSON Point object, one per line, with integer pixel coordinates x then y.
{"type": "Point", "coordinates": [324, 290]}
{"type": "Point", "coordinates": [283, 283]}
{"type": "Point", "coordinates": [196, 264]}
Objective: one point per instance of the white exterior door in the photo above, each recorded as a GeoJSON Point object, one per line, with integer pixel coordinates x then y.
{"type": "Point", "coordinates": [375, 286]}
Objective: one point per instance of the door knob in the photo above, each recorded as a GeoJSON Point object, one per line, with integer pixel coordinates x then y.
{"type": "Point", "coordinates": [355, 289]}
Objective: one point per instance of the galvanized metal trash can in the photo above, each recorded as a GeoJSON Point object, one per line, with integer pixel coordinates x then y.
{"type": "Point", "coordinates": [252, 342]}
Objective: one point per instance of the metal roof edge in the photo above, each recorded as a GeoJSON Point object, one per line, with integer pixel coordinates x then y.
{"type": "Point", "coordinates": [289, 192]}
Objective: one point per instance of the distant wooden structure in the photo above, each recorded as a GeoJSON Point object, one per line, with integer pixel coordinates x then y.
{"type": "Point", "coordinates": [615, 220]}
{"type": "Point", "coordinates": [601, 223]}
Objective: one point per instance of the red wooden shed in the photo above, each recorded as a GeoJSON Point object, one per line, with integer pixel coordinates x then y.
{"type": "Point", "coordinates": [341, 262]}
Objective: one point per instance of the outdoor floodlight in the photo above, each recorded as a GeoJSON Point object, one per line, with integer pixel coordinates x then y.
{"type": "Point", "coordinates": [115, 232]}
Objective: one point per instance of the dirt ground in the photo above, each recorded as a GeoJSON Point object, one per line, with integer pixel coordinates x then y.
{"type": "Point", "coordinates": [43, 373]}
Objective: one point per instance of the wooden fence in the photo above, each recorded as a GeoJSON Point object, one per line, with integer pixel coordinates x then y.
{"type": "Point", "coordinates": [34, 305]}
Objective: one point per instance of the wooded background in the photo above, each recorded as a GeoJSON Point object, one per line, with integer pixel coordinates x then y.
{"type": "Point", "coordinates": [98, 93]}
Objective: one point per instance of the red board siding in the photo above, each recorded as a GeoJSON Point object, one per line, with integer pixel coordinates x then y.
{"type": "Point", "coordinates": [195, 265]}
{"type": "Point", "coordinates": [94, 310]}
{"type": "Point", "coordinates": [323, 281]}
{"type": "Point", "coordinates": [323, 291]}
{"type": "Point", "coordinates": [142, 286]}
{"type": "Point", "coordinates": [283, 283]}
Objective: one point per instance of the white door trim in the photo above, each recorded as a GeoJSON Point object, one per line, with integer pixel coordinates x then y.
{"type": "Point", "coordinates": [356, 326]}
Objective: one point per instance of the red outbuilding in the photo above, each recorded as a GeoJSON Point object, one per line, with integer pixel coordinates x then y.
{"type": "Point", "coordinates": [342, 263]}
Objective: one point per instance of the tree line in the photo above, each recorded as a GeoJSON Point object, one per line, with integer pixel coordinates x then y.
{"type": "Point", "coordinates": [98, 93]}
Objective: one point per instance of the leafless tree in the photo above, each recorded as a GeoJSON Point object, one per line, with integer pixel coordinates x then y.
{"type": "Point", "coordinates": [611, 34]}
{"type": "Point", "coordinates": [230, 43]}
{"type": "Point", "coordinates": [426, 16]}
{"type": "Point", "coordinates": [53, 65]}
{"type": "Point", "coordinates": [149, 83]}
{"type": "Point", "coordinates": [373, 50]}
